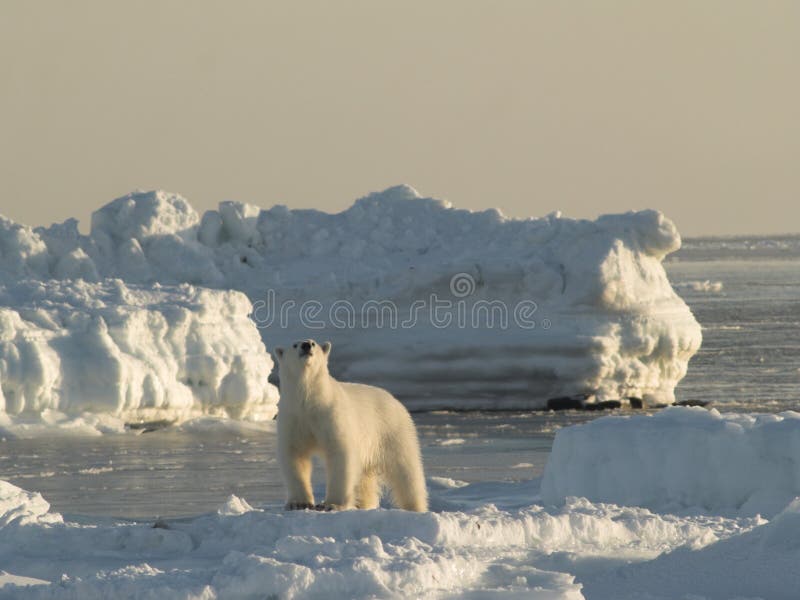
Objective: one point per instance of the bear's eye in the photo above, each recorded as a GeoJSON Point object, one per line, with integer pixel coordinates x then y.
{"type": "Point", "coordinates": [313, 344]}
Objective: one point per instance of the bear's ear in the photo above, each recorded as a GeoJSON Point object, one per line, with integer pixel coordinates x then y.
{"type": "Point", "coordinates": [279, 353]}
{"type": "Point", "coordinates": [326, 348]}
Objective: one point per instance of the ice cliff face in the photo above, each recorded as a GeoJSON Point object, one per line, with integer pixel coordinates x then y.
{"type": "Point", "coordinates": [162, 352]}
{"type": "Point", "coordinates": [445, 307]}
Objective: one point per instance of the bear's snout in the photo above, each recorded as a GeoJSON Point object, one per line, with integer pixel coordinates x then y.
{"type": "Point", "coordinates": [305, 348]}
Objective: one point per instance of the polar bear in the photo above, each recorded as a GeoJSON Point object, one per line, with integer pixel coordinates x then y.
{"type": "Point", "coordinates": [365, 436]}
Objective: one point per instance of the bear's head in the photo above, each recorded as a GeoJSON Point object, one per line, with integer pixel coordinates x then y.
{"type": "Point", "coordinates": [305, 358]}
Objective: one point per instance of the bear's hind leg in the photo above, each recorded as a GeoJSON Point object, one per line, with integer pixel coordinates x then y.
{"type": "Point", "coordinates": [368, 492]}
{"type": "Point", "coordinates": [407, 484]}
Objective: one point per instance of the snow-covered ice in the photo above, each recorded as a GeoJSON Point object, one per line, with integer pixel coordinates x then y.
{"type": "Point", "coordinates": [760, 563]}
{"type": "Point", "coordinates": [486, 540]}
{"type": "Point", "coordinates": [678, 459]}
{"type": "Point", "coordinates": [247, 553]}
{"type": "Point", "coordinates": [445, 307]}
{"type": "Point", "coordinates": [91, 356]}
{"type": "Point", "coordinates": [481, 540]}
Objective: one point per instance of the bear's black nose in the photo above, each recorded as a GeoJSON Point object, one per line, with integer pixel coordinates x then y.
{"type": "Point", "coordinates": [305, 347]}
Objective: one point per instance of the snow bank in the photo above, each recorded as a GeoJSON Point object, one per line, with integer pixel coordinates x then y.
{"type": "Point", "coordinates": [446, 307]}
{"type": "Point", "coordinates": [680, 458]}
{"type": "Point", "coordinates": [74, 353]}
{"type": "Point", "coordinates": [761, 563]}
{"type": "Point", "coordinates": [241, 552]}
{"type": "Point", "coordinates": [23, 508]}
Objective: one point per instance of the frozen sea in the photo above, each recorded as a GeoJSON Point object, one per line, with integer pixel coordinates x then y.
{"type": "Point", "coordinates": [745, 292]}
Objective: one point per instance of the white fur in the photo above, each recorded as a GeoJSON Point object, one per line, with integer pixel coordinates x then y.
{"type": "Point", "coordinates": [364, 434]}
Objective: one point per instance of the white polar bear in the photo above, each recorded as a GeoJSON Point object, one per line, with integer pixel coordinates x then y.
{"type": "Point", "coordinates": [363, 433]}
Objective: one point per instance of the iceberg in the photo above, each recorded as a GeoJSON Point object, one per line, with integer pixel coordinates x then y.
{"type": "Point", "coordinates": [446, 308]}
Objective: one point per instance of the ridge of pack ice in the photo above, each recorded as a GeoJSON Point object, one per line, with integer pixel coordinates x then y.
{"type": "Point", "coordinates": [602, 317]}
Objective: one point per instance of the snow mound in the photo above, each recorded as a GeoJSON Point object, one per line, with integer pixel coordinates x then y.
{"type": "Point", "coordinates": [761, 563]}
{"type": "Point", "coordinates": [680, 458]}
{"type": "Point", "coordinates": [74, 353]}
{"type": "Point", "coordinates": [234, 506]}
{"type": "Point", "coordinates": [485, 551]}
{"type": "Point", "coordinates": [144, 215]}
{"type": "Point", "coordinates": [445, 307]}
{"type": "Point", "coordinates": [23, 508]}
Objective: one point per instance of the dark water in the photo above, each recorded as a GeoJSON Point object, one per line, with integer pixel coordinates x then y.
{"type": "Point", "coordinates": [750, 357]}
{"type": "Point", "coordinates": [171, 473]}
{"type": "Point", "coordinates": [164, 473]}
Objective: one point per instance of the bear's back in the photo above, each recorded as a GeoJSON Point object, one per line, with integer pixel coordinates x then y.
{"type": "Point", "coordinates": [368, 398]}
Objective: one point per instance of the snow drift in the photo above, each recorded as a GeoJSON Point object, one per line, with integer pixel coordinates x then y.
{"type": "Point", "coordinates": [478, 550]}
{"type": "Point", "coordinates": [75, 348]}
{"type": "Point", "coordinates": [760, 563]}
{"type": "Point", "coordinates": [680, 458]}
{"type": "Point", "coordinates": [445, 307]}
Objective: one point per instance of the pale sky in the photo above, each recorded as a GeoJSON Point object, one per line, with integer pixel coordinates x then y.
{"type": "Point", "coordinates": [690, 107]}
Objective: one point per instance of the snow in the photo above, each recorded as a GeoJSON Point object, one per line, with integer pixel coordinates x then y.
{"type": "Point", "coordinates": [21, 507]}
{"type": "Point", "coordinates": [482, 540]}
{"type": "Point", "coordinates": [761, 563]}
{"type": "Point", "coordinates": [477, 549]}
{"type": "Point", "coordinates": [513, 311]}
{"type": "Point", "coordinates": [680, 459]}
{"type": "Point", "coordinates": [18, 580]}
{"type": "Point", "coordinates": [89, 357]}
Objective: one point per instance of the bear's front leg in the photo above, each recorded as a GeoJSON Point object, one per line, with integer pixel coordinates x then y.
{"type": "Point", "coordinates": [340, 472]}
{"type": "Point", "coordinates": [296, 471]}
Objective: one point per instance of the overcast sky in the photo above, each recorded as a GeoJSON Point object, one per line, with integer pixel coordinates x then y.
{"type": "Point", "coordinates": [692, 107]}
